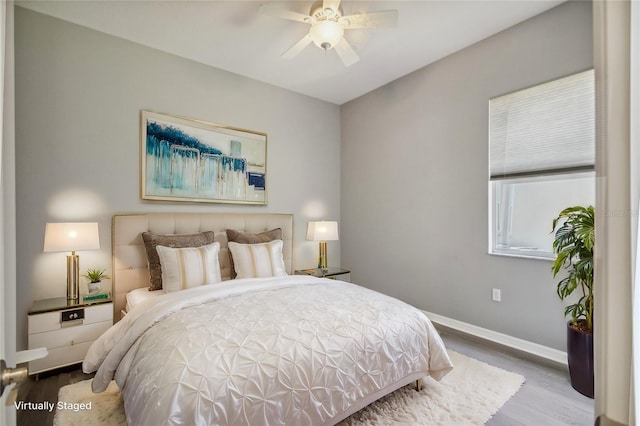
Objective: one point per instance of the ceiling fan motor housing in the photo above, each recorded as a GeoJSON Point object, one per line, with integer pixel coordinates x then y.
{"type": "Point", "coordinates": [320, 13]}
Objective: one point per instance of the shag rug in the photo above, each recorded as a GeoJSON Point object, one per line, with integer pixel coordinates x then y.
{"type": "Point", "coordinates": [469, 395]}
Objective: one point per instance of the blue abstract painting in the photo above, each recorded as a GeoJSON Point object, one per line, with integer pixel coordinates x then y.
{"type": "Point", "coordinates": [190, 160]}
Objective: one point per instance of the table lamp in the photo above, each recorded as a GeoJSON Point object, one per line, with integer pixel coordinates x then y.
{"type": "Point", "coordinates": [322, 231]}
{"type": "Point", "coordinates": [72, 237]}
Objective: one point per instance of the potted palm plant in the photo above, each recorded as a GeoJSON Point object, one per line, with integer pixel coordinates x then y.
{"type": "Point", "coordinates": [573, 246]}
{"type": "Point", "coordinates": [95, 277]}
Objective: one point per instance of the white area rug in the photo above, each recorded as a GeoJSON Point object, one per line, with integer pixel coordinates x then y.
{"type": "Point", "coordinates": [468, 395]}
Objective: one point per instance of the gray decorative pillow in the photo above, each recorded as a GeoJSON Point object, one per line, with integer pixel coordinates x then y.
{"type": "Point", "coordinates": [249, 238]}
{"type": "Point", "coordinates": [152, 240]}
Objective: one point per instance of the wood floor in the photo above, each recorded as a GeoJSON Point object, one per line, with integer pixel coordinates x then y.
{"type": "Point", "coordinates": [546, 398]}
{"type": "Point", "coordinates": [46, 389]}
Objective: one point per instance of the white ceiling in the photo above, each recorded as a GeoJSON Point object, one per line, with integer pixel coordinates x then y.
{"type": "Point", "coordinates": [233, 36]}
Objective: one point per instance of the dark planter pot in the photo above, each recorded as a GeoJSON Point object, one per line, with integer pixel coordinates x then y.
{"type": "Point", "coordinates": [580, 358]}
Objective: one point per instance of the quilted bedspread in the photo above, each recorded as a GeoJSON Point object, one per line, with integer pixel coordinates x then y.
{"type": "Point", "coordinates": [292, 350]}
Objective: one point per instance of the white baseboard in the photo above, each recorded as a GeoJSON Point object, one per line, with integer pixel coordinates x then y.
{"type": "Point", "coordinates": [545, 352]}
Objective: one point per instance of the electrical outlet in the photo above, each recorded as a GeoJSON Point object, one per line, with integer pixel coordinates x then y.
{"type": "Point", "coordinates": [496, 295]}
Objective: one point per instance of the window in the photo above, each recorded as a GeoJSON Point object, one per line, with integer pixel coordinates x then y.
{"type": "Point", "coordinates": [542, 156]}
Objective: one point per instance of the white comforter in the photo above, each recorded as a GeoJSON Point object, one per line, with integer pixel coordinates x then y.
{"type": "Point", "coordinates": [289, 350]}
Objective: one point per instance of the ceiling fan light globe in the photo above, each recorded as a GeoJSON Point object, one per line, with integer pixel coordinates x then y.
{"type": "Point", "coordinates": [326, 34]}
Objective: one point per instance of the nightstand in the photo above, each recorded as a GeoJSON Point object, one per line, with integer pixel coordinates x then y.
{"type": "Point", "coordinates": [331, 273]}
{"type": "Point", "coordinates": [66, 329]}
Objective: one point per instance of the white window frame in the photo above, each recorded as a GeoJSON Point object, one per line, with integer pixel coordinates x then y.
{"type": "Point", "coordinates": [501, 225]}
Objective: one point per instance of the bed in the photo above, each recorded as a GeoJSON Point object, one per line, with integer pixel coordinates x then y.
{"type": "Point", "coordinates": [274, 349]}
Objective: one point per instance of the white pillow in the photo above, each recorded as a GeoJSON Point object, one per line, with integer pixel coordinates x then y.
{"type": "Point", "coordinates": [258, 260]}
{"type": "Point", "coordinates": [189, 267]}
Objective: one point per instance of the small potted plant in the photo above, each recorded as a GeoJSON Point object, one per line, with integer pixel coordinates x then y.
{"type": "Point", "coordinates": [95, 276]}
{"type": "Point", "coordinates": [573, 246]}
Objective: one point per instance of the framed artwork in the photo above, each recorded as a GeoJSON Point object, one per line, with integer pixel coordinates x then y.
{"type": "Point", "coordinates": [190, 160]}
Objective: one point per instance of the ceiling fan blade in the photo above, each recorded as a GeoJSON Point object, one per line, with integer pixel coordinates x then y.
{"type": "Point", "coordinates": [383, 19]}
{"type": "Point", "coordinates": [273, 10]}
{"type": "Point", "coordinates": [298, 47]}
{"type": "Point", "coordinates": [331, 4]}
{"type": "Point", "coordinates": [347, 55]}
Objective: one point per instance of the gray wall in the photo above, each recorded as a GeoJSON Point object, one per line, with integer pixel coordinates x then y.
{"type": "Point", "coordinates": [414, 215]}
{"type": "Point", "coordinates": [78, 99]}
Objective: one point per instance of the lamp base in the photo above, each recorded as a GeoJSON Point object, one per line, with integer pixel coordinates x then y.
{"type": "Point", "coordinates": [322, 259]}
{"type": "Point", "coordinates": [73, 277]}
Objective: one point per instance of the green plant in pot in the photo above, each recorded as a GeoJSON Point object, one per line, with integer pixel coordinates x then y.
{"type": "Point", "coordinates": [573, 246]}
{"type": "Point", "coordinates": [95, 277]}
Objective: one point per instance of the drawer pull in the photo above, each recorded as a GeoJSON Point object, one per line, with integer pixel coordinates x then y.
{"type": "Point", "coordinates": [72, 315]}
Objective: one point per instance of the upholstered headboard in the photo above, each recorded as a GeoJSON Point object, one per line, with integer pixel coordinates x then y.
{"type": "Point", "coordinates": [130, 269]}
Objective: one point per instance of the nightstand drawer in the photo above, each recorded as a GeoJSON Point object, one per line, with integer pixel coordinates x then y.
{"type": "Point", "coordinates": [60, 357]}
{"type": "Point", "coordinates": [50, 321]}
{"type": "Point", "coordinates": [66, 330]}
{"type": "Point", "coordinates": [68, 336]}
{"type": "Point", "coordinates": [44, 322]}
{"type": "Point", "coordinates": [98, 313]}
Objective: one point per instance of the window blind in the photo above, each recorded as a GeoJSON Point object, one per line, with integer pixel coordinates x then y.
{"type": "Point", "coordinates": [545, 129]}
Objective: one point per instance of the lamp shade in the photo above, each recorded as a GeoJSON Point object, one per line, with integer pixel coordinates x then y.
{"type": "Point", "coordinates": [326, 34]}
{"type": "Point", "coordinates": [324, 230]}
{"type": "Point", "coordinates": [71, 236]}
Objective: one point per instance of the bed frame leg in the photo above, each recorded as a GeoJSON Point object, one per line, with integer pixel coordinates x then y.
{"type": "Point", "coordinates": [418, 385]}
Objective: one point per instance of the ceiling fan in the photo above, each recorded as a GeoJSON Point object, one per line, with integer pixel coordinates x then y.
{"type": "Point", "coordinates": [328, 25]}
